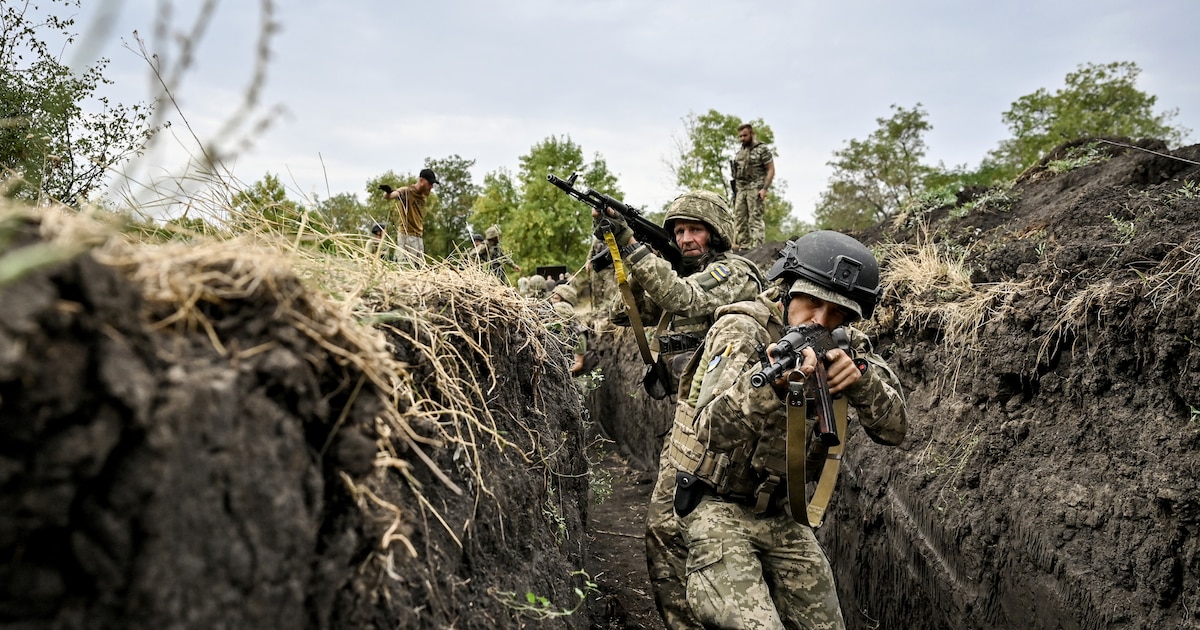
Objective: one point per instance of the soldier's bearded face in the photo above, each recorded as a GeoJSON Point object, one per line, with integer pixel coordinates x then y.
{"type": "Point", "coordinates": [746, 136]}
{"type": "Point", "coordinates": [806, 309]}
{"type": "Point", "coordinates": [691, 237]}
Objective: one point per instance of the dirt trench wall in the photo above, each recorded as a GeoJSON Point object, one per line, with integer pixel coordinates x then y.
{"type": "Point", "coordinates": [229, 475]}
{"type": "Point", "coordinates": [1048, 480]}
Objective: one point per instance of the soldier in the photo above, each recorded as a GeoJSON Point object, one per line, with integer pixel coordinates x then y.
{"type": "Point", "coordinates": [410, 203]}
{"type": "Point", "coordinates": [684, 302]}
{"type": "Point", "coordinates": [753, 172]}
{"type": "Point", "coordinates": [753, 561]}
{"type": "Point", "coordinates": [563, 300]}
{"type": "Point", "coordinates": [497, 258]}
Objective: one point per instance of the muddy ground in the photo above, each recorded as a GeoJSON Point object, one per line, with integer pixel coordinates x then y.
{"type": "Point", "coordinates": [191, 458]}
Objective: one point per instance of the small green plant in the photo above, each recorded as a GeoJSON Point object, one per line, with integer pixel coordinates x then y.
{"type": "Point", "coordinates": [553, 513]}
{"type": "Point", "coordinates": [1125, 228]}
{"type": "Point", "coordinates": [1194, 420]}
{"type": "Point", "coordinates": [1078, 157]}
{"type": "Point", "coordinates": [1189, 190]}
{"type": "Point", "coordinates": [534, 606]}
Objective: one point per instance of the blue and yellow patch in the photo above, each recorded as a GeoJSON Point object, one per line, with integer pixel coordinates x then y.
{"type": "Point", "coordinates": [720, 273]}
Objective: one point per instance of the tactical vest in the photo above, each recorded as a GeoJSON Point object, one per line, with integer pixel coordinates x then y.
{"type": "Point", "coordinates": [747, 173]}
{"type": "Point", "coordinates": [677, 338]}
{"type": "Point", "coordinates": [731, 474]}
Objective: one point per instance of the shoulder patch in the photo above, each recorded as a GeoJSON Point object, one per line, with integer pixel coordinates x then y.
{"type": "Point", "coordinates": [715, 276]}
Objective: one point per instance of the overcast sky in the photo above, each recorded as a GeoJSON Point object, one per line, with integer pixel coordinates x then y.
{"type": "Point", "coordinates": [370, 85]}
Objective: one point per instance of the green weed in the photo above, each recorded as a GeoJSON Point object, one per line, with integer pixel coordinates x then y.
{"type": "Point", "coordinates": [1078, 157]}
{"type": "Point", "coordinates": [538, 607]}
{"type": "Point", "coordinates": [1125, 228]}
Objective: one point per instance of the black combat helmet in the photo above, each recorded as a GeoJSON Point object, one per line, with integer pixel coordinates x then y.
{"type": "Point", "coordinates": [833, 267]}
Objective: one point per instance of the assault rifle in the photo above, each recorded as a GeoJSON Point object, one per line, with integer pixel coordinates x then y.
{"type": "Point", "coordinates": [644, 231]}
{"type": "Point", "coordinates": [732, 181]}
{"type": "Point", "coordinates": [788, 355]}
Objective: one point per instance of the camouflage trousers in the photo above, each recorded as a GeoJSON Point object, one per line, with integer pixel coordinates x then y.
{"type": "Point", "coordinates": [757, 573]}
{"type": "Point", "coordinates": [666, 553]}
{"type": "Point", "coordinates": [749, 227]}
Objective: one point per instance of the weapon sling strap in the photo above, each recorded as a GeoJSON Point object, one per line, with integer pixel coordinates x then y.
{"type": "Point", "coordinates": [813, 513]}
{"type": "Point", "coordinates": [635, 318]}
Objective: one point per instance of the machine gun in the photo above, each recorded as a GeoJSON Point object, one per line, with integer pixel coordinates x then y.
{"type": "Point", "coordinates": [644, 231]}
{"type": "Point", "coordinates": [788, 355]}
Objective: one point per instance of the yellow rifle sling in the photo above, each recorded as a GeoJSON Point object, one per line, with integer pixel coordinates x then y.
{"type": "Point", "coordinates": [635, 318]}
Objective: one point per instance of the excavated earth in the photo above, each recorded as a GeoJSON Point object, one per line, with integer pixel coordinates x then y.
{"type": "Point", "coordinates": [241, 473]}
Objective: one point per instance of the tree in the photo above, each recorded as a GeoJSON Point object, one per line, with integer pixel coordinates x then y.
{"type": "Point", "coordinates": [449, 207]}
{"type": "Point", "coordinates": [344, 213]}
{"type": "Point", "coordinates": [549, 227]}
{"type": "Point", "coordinates": [873, 178]}
{"type": "Point", "coordinates": [702, 163]}
{"type": "Point", "coordinates": [1098, 100]}
{"type": "Point", "coordinates": [265, 206]}
{"type": "Point", "coordinates": [539, 224]}
{"type": "Point", "coordinates": [497, 201]}
{"type": "Point", "coordinates": [47, 139]}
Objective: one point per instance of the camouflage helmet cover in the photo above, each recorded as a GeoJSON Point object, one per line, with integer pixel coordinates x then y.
{"type": "Point", "coordinates": [563, 310]}
{"type": "Point", "coordinates": [708, 208]}
{"type": "Point", "coordinates": [567, 293]}
{"type": "Point", "coordinates": [493, 231]}
{"type": "Point", "coordinates": [537, 282]}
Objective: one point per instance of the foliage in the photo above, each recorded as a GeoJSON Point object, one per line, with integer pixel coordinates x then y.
{"type": "Point", "coordinates": [534, 606]}
{"type": "Point", "coordinates": [344, 213]}
{"type": "Point", "coordinates": [450, 206]}
{"type": "Point", "coordinates": [873, 178]}
{"type": "Point", "coordinates": [709, 143]}
{"type": "Point", "coordinates": [539, 224]}
{"type": "Point", "coordinates": [702, 161]}
{"type": "Point", "coordinates": [1098, 100]}
{"type": "Point", "coordinates": [497, 201]}
{"type": "Point", "coordinates": [47, 139]}
{"type": "Point", "coordinates": [266, 202]}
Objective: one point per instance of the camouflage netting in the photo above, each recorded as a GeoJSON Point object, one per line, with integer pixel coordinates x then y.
{"type": "Point", "coordinates": [192, 436]}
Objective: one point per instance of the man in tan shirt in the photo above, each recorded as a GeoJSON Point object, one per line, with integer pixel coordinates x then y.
{"type": "Point", "coordinates": [410, 205]}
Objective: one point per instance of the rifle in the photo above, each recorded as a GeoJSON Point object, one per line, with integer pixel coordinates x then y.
{"type": "Point", "coordinates": [732, 181]}
{"type": "Point", "coordinates": [788, 354]}
{"type": "Point", "coordinates": [655, 236]}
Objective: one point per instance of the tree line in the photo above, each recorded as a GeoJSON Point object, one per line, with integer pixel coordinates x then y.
{"type": "Point", "coordinates": [52, 146]}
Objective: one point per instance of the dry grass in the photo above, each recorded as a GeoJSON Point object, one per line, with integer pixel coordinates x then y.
{"type": "Point", "coordinates": [348, 304]}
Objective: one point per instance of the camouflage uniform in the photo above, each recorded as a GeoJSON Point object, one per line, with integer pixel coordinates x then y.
{"type": "Point", "coordinates": [495, 255]}
{"type": "Point", "coordinates": [748, 570]}
{"type": "Point", "coordinates": [748, 209]}
{"type": "Point", "coordinates": [718, 278]}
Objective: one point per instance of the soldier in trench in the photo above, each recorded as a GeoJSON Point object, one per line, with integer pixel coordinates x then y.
{"type": "Point", "coordinates": [683, 303]}
{"type": "Point", "coordinates": [753, 560]}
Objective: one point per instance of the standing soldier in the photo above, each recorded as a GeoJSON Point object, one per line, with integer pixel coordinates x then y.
{"type": "Point", "coordinates": [753, 172]}
{"type": "Point", "coordinates": [743, 453]}
{"type": "Point", "coordinates": [685, 302]}
{"type": "Point", "coordinates": [497, 258]}
{"type": "Point", "coordinates": [410, 206]}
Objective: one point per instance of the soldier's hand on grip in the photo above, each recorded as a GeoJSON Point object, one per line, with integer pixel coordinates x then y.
{"type": "Point", "coordinates": [387, 190]}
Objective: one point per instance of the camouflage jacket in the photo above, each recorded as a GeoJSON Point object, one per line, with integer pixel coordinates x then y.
{"type": "Point", "coordinates": [752, 166]}
{"type": "Point", "coordinates": [690, 301]}
{"type": "Point", "coordinates": [725, 417]}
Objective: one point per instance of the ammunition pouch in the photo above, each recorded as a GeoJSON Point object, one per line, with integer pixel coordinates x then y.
{"type": "Point", "coordinates": [674, 343]}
